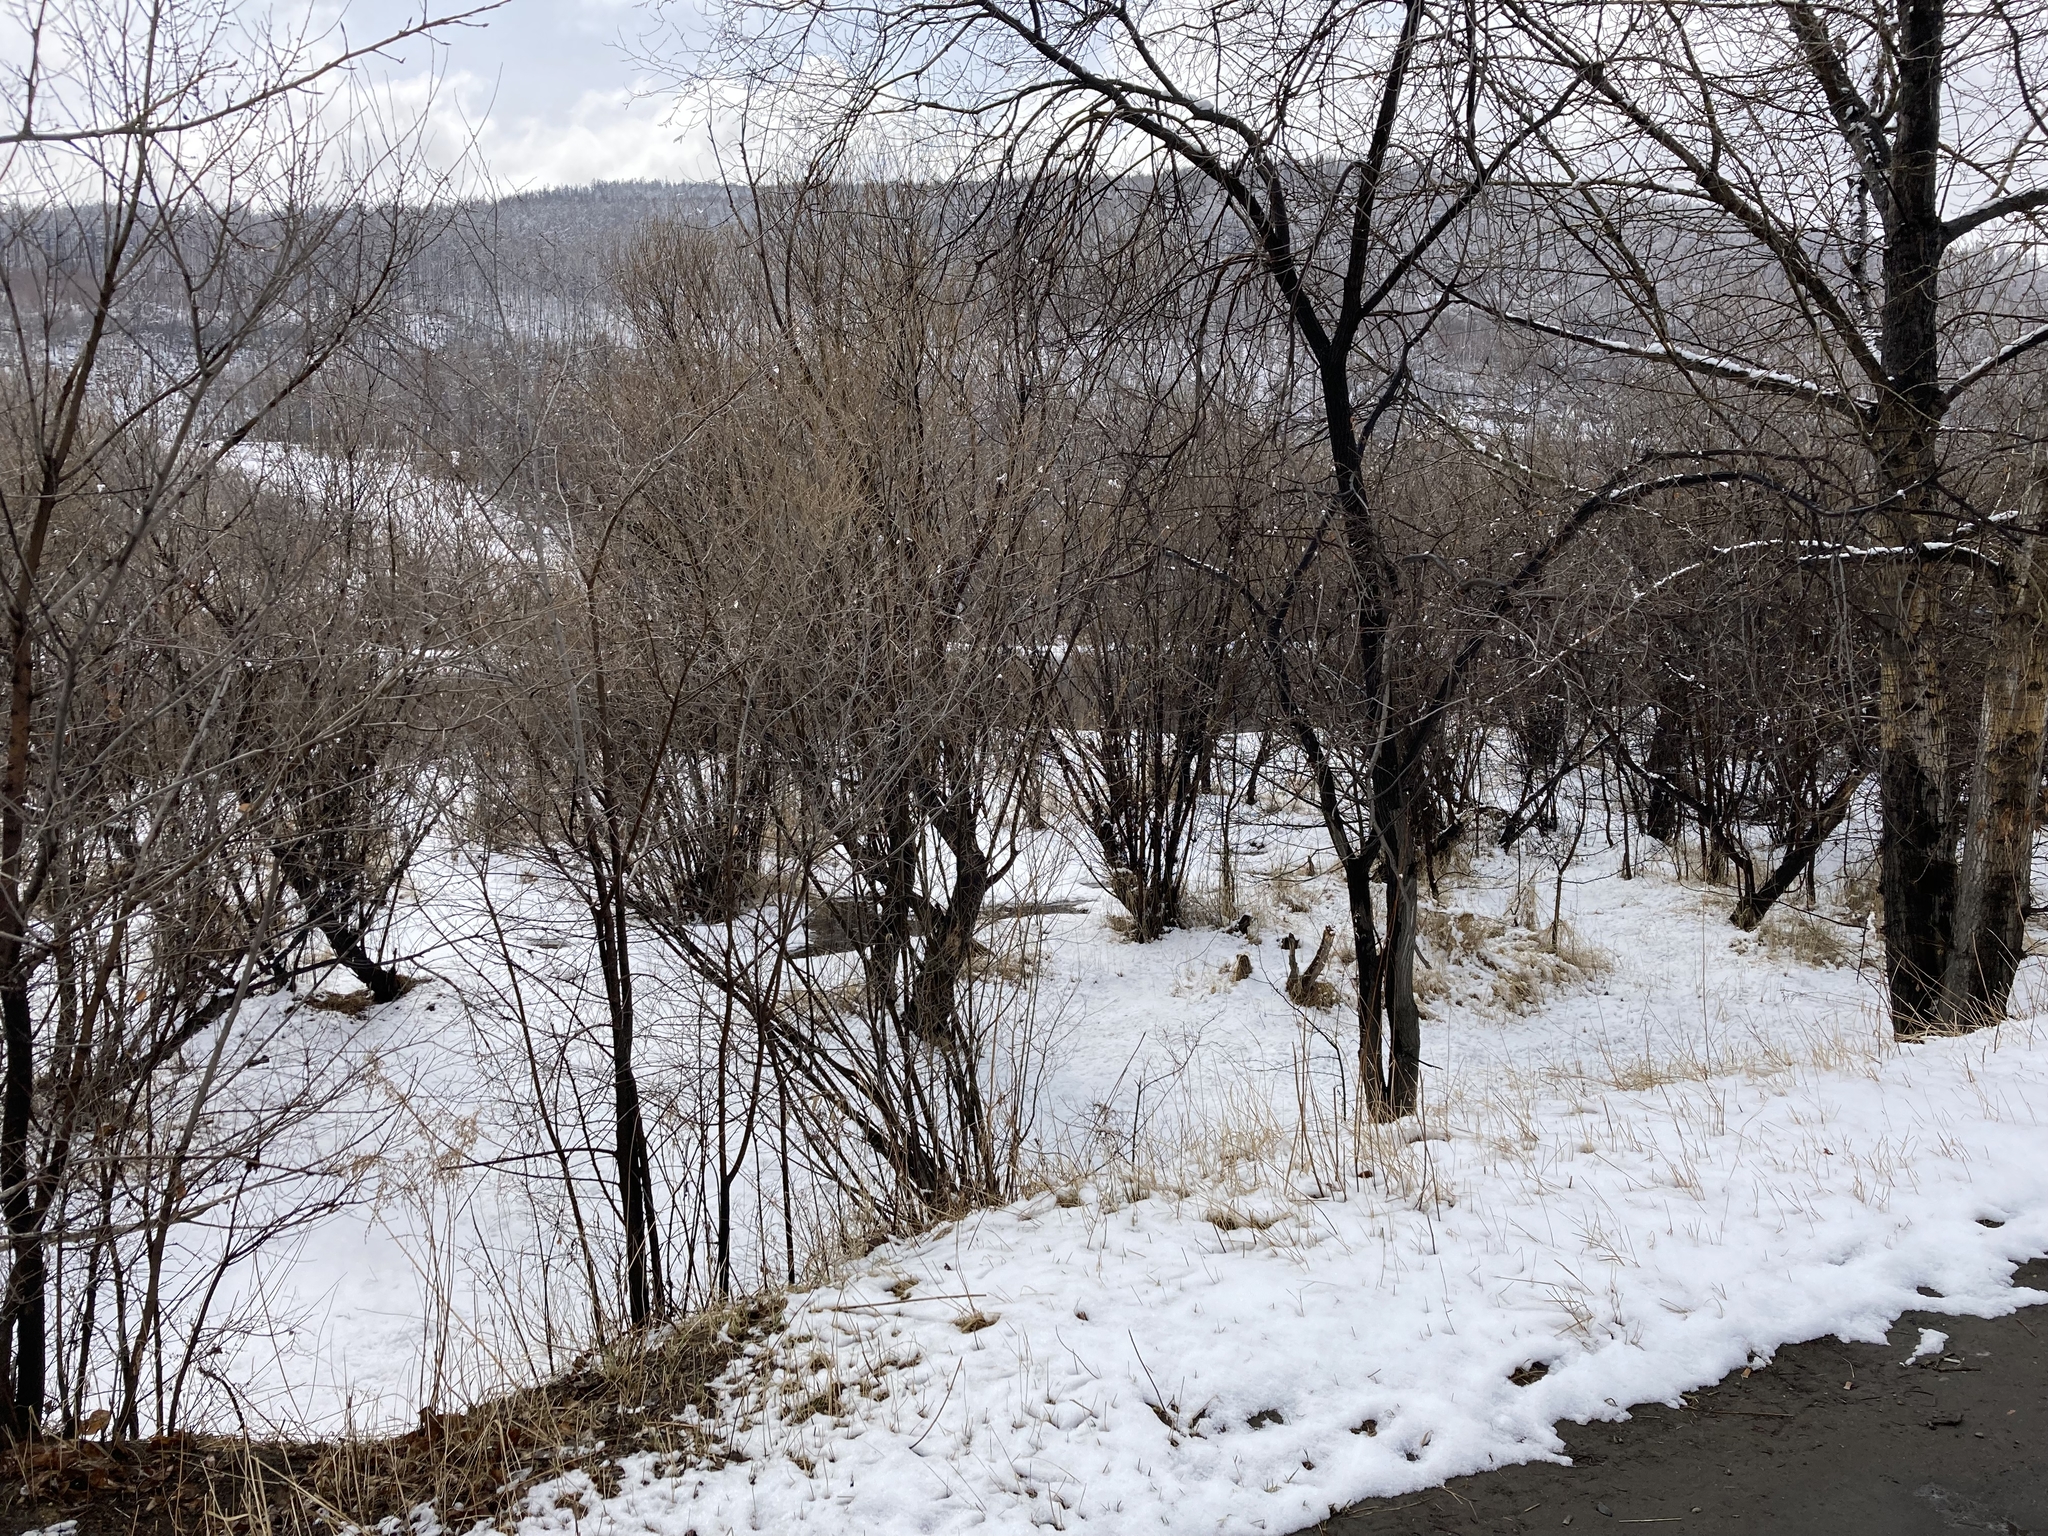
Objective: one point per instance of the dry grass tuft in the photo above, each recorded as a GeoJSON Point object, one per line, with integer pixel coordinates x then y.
{"type": "Point", "coordinates": [1856, 892]}
{"type": "Point", "coordinates": [346, 1003]}
{"type": "Point", "coordinates": [1642, 1073]}
{"type": "Point", "coordinates": [828, 1401]}
{"type": "Point", "coordinates": [1225, 1218]}
{"type": "Point", "coordinates": [1524, 911]}
{"type": "Point", "coordinates": [1204, 907]}
{"type": "Point", "coordinates": [1292, 890]}
{"type": "Point", "coordinates": [1013, 956]}
{"type": "Point", "coordinates": [1502, 964]}
{"type": "Point", "coordinates": [1793, 935]}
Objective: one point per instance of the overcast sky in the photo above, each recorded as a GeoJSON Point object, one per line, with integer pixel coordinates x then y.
{"type": "Point", "coordinates": [546, 85]}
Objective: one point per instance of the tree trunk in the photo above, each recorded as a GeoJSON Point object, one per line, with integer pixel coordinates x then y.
{"type": "Point", "coordinates": [1661, 814]}
{"type": "Point", "coordinates": [1991, 899]}
{"type": "Point", "coordinates": [1917, 840]}
{"type": "Point", "coordinates": [384, 984]}
{"type": "Point", "coordinates": [1372, 1039]}
{"type": "Point", "coordinates": [1391, 1068]}
{"type": "Point", "coordinates": [21, 1314]}
{"type": "Point", "coordinates": [629, 1141]}
{"type": "Point", "coordinates": [1403, 1081]}
{"type": "Point", "coordinates": [935, 996]}
{"type": "Point", "coordinates": [324, 910]}
{"type": "Point", "coordinates": [24, 1342]}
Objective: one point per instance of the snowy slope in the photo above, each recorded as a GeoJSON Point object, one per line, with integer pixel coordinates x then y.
{"type": "Point", "coordinates": [1649, 1153]}
{"type": "Point", "coordinates": [1637, 1173]}
{"type": "Point", "coordinates": [1147, 1369]}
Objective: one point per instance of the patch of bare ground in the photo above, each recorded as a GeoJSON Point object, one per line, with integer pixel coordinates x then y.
{"type": "Point", "coordinates": [653, 1392]}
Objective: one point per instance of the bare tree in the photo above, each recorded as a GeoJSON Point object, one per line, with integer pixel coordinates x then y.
{"type": "Point", "coordinates": [1832, 212]}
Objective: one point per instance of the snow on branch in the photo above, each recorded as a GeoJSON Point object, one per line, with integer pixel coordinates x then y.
{"type": "Point", "coordinates": [1999, 359]}
{"type": "Point", "coordinates": [1765, 380]}
{"type": "Point", "coordinates": [1816, 552]}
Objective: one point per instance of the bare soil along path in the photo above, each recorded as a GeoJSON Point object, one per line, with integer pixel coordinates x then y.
{"type": "Point", "coordinates": [1830, 1437]}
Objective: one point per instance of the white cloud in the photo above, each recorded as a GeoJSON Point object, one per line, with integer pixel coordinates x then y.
{"type": "Point", "coordinates": [519, 143]}
{"type": "Point", "coordinates": [540, 93]}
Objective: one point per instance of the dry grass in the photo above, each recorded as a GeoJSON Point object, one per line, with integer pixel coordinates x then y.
{"type": "Point", "coordinates": [1503, 964]}
{"type": "Point", "coordinates": [1203, 979]}
{"type": "Point", "coordinates": [1856, 892]}
{"type": "Point", "coordinates": [1274, 900]}
{"type": "Point", "coordinates": [347, 1003]}
{"type": "Point", "coordinates": [652, 1393]}
{"type": "Point", "coordinates": [1248, 1166]}
{"type": "Point", "coordinates": [1011, 955]}
{"type": "Point", "coordinates": [352, 1003]}
{"type": "Point", "coordinates": [1793, 935]}
{"type": "Point", "coordinates": [1228, 1218]}
{"type": "Point", "coordinates": [1292, 890]}
{"type": "Point", "coordinates": [1204, 907]}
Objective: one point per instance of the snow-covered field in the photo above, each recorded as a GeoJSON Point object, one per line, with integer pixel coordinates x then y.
{"type": "Point", "coordinates": [1647, 1156]}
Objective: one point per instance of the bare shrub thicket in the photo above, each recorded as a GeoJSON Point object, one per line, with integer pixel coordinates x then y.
{"type": "Point", "coordinates": [1331, 230]}
{"type": "Point", "coordinates": [199, 217]}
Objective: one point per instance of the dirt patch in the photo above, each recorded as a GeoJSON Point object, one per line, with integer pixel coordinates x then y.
{"type": "Point", "coordinates": [1831, 1437]}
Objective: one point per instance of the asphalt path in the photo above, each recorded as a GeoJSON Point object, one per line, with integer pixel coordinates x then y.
{"type": "Point", "coordinates": [1829, 1437]}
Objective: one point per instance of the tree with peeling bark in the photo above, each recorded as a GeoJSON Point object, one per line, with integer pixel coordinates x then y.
{"type": "Point", "coordinates": [1834, 212]}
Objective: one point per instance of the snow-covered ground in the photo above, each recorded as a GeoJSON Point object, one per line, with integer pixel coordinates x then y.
{"type": "Point", "coordinates": [1649, 1154]}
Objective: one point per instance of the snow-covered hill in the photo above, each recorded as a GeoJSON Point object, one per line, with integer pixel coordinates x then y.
{"type": "Point", "coordinates": [1652, 1150]}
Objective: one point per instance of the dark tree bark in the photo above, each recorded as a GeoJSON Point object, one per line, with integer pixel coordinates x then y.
{"type": "Point", "coordinates": [609, 914]}
{"type": "Point", "coordinates": [1663, 816]}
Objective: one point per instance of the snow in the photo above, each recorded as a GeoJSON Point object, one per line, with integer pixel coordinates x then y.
{"type": "Point", "coordinates": [1648, 1156]}
{"type": "Point", "coordinates": [1153, 1367]}
{"type": "Point", "coordinates": [1932, 1342]}
{"type": "Point", "coordinates": [1638, 1184]}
